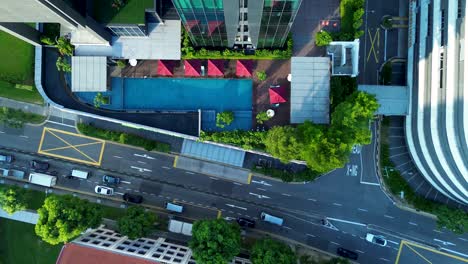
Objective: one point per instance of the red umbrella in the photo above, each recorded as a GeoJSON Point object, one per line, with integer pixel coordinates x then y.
{"type": "Point", "coordinates": [212, 26]}
{"type": "Point", "coordinates": [244, 68]}
{"type": "Point", "coordinates": [165, 68]}
{"type": "Point", "coordinates": [277, 95]}
{"type": "Point", "coordinates": [215, 67]}
{"type": "Point", "coordinates": [192, 68]}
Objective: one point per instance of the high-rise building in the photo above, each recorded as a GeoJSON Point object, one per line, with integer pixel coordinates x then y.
{"type": "Point", "coordinates": [237, 23]}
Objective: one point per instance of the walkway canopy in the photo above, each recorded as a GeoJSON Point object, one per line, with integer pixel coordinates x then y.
{"type": "Point", "coordinates": [277, 95]}
{"type": "Point", "coordinates": [244, 68]}
{"type": "Point", "coordinates": [192, 68]}
{"type": "Point", "coordinates": [165, 68]}
{"type": "Point", "coordinates": [89, 74]}
{"type": "Point", "coordinates": [215, 68]}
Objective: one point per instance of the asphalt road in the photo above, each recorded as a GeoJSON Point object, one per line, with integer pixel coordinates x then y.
{"type": "Point", "coordinates": [350, 198]}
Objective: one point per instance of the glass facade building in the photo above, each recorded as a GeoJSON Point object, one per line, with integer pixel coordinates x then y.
{"type": "Point", "coordinates": [241, 23]}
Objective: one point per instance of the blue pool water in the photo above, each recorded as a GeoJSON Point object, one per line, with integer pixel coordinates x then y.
{"type": "Point", "coordinates": [164, 94]}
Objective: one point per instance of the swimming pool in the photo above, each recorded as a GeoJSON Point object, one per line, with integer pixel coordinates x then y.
{"type": "Point", "coordinates": [180, 94]}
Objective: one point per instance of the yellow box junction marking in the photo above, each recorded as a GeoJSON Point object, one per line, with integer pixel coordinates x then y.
{"type": "Point", "coordinates": [372, 40]}
{"type": "Point", "coordinates": [413, 247]}
{"type": "Point", "coordinates": [175, 161]}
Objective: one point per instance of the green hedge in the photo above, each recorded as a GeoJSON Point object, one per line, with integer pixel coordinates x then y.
{"type": "Point", "coordinates": [241, 138]}
{"type": "Point", "coordinates": [454, 219]}
{"type": "Point", "coordinates": [16, 118]}
{"type": "Point", "coordinates": [123, 138]}
{"type": "Point", "coordinates": [189, 52]}
{"type": "Point", "coordinates": [286, 176]}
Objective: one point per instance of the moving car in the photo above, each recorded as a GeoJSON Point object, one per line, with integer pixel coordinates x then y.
{"type": "Point", "coordinates": [174, 207]}
{"type": "Point", "coordinates": [245, 222]}
{"type": "Point", "coordinates": [345, 253]}
{"type": "Point", "coordinates": [133, 198]}
{"type": "Point", "coordinates": [375, 239]}
{"type": "Point", "coordinates": [271, 219]}
{"type": "Point", "coordinates": [104, 190]}
{"type": "Point", "coordinates": [111, 179]}
{"type": "Point", "coordinates": [39, 165]}
{"type": "Point", "coordinates": [6, 158]}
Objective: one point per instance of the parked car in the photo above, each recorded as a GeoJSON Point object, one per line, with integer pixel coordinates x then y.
{"type": "Point", "coordinates": [345, 253]}
{"type": "Point", "coordinates": [375, 239]}
{"type": "Point", "coordinates": [111, 179]}
{"type": "Point", "coordinates": [6, 158]}
{"type": "Point", "coordinates": [245, 222]}
{"type": "Point", "coordinates": [104, 190]}
{"type": "Point", "coordinates": [133, 198]}
{"type": "Point", "coordinates": [39, 165]}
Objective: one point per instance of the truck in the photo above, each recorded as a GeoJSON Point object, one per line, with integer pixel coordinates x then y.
{"type": "Point", "coordinates": [42, 179]}
{"type": "Point", "coordinates": [180, 227]}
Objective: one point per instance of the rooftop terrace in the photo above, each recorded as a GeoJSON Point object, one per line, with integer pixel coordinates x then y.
{"type": "Point", "coordinates": [132, 12]}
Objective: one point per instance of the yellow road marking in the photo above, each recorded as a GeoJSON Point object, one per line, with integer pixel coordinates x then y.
{"type": "Point", "coordinates": [175, 161]}
{"type": "Point", "coordinates": [399, 252]}
{"type": "Point", "coordinates": [79, 145]}
{"type": "Point", "coordinates": [372, 42]}
{"type": "Point", "coordinates": [66, 142]}
{"type": "Point", "coordinates": [72, 134]}
{"type": "Point", "coordinates": [437, 251]}
{"type": "Point", "coordinates": [102, 152]}
{"type": "Point", "coordinates": [42, 140]}
{"type": "Point", "coordinates": [219, 214]}
{"type": "Point", "coordinates": [419, 254]}
{"type": "Point", "coordinates": [411, 246]}
{"type": "Point", "coordinates": [249, 180]}
{"type": "Point", "coordinates": [69, 158]}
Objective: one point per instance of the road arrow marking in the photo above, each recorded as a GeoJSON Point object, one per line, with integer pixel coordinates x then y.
{"type": "Point", "coordinates": [127, 182]}
{"type": "Point", "coordinates": [262, 182]}
{"type": "Point", "coordinates": [235, 206]}
{"type": "Point", "coordinates": [444, 242]}
{"type": "Point", "coordinates": [144, 156]}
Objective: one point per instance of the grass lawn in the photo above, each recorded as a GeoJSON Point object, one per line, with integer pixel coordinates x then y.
{"type": "Point", "coordinates": [20, 245]}
{"type": "Point", "coordinates": [8, 90]}
{"type": "Point", "coordinates": [34, 199]}
{"type": "Point", "coordinates": [18, 59]}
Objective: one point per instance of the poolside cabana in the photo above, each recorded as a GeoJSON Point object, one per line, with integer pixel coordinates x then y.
{"type": "Point", "coordinates": [244, 68]}
{"type": "Point", "coordinates": [192, 68]}
{"type": "Point", "coordinates": [215, 68]}
{"type": "Point", "coordinates": [277, 94]}
{"type": "Point", "coordinates": [165, 68]}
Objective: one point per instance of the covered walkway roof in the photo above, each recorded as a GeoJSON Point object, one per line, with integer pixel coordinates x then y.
{"type": "Point", "coordinates": [393, 100]}
{"type": "Point", "coordinates": [89, 74]}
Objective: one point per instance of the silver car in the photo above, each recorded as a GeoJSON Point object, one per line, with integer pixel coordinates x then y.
{"type": "Point", "coordinates": [104, 190]}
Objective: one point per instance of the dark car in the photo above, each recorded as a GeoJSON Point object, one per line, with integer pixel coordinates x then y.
{"type": "Point", "coordinates": [6, 158]}
{"type": "Point", "coordinates": [343, 252]}
{"type": "Point", "coordinates": [110, 179]}
{"type": "Point", "coordinates": [245, 222]}
{"type": "Point", "coordinates": [39, 165]}
{"type": "Point", "coordinates": [133, 198]}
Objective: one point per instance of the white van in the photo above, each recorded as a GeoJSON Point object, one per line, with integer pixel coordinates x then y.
{"type": "Point", "coordinates": [174, 207]}
{"type": "Point", "coordinates": [42, 179]}
{"type": "Point", "coordinates": [80, 174]}
{"type": "Point", "coordinates": [271, 219]}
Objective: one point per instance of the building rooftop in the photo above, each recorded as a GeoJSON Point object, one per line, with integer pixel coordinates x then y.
{"type": "Point", "coordinates": [89, 74]}
{"type": "Point", "coordinates": [345, 57]}
{"type": "Point", "coordinates": [133, 12]}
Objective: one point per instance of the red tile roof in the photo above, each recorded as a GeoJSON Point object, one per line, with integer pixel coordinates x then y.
{"type": "Point", "coordinates": [78, 254]}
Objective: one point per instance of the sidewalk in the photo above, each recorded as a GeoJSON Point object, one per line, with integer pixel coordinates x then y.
{"type": "Point", "coordinates": [26, 107]}
{"type": "Point", "coordinates": [27, 216]}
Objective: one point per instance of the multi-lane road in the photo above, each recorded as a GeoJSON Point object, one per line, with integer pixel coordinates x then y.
{"type": "Point", "coordinates": [350, 198]}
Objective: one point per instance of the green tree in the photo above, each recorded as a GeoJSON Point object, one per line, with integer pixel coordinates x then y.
{"type": "Point", "coordinates": [224, 118]}
{"type": "Point", "coordinates": [64, 46]}
{"type": "Point", "coordinates": [262, 117]}
{"type": "Point", "coordinates": [215, 241]}
{"type": "Point", "coordinates": [99, 100]}
{"type": "Point", "coordinates": [61, 218]}
{"type": "Point", "coordinates": [340, 88]}
{"type": "Point", "coordinates": [261, 75]}
{"type": "Point", "coordinates": [121, 64]}
{"type": "Point", "coordinates": [137, 222]}
{"type": "Point", "coordinates": [323, 38]}
{"type": "Point", "coordinates": [48, 41]}
{"type": "Point", "coordinates": [12, 199]}
{"type": "Point", "coordinates": [455, 220]}
{"type": "Point", "coordinates": [282, 142]}
{"type": "Point", "coordinates": [63, 65]}
{"type": "Point", "coordinates": [268, 251]}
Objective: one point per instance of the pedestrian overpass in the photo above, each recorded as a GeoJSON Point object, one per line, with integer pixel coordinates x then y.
{"type": "Point", "coordinates": [393, 100]}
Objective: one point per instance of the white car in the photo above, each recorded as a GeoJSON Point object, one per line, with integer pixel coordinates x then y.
{"type": "Point", "coordinates": [104, 190]}
{"type": "Point", "coordinates": [375, 239]}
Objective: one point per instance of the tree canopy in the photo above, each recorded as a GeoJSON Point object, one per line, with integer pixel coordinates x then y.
{"type": "Point", "coordinates": [268, 251]}
{"type": "Point", "coordinates": [215, 241]}
{"type": "Point", "coordinates": [136, 222]}
{"type": "Point", "coordinates": [12, 199]}
{"type": "Point", "coordinates": [283, 143]}
{"type": "Point", "coordinates": [456, 220]}
{"type": "Point", "coordinates": [62, 218]}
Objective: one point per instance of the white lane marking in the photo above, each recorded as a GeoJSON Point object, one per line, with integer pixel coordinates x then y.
{"type": "Point", "coordinates": [1, 132]}
{"type": "Point", "coordinates": [238, 207]}
{"type": "Point", "coordinates": [144, 156]}
{"type": "Point", "coordinates": [364, 210]}
{"type": "Point", "coordinates": [189, 172]}
{"type": "Point", "coordinates": [23, 136]}
{"type": "Point", "coordinates": [438, 231]}
{"type": "Point", "coordinates": [165, 167]}
{"type": "Point", "coordinates": [136, 191]}
{"type": "Point", "coordinates": [393, 242]}
{"type": "Point", "coordinates": [285, 194]}
{"type": "Point", "coordinates": [411, 223]}
{"type": "Point", "coordinates": [287, 227]}
{"type": "Point", "coordinates": [310, 199]}
{"type": "Point", "coordinates": [462, 239]}
{"type": "Point", "coordinates": [141, 162]}
{"type": "Point", "coordinates": [384, 259]}
{"type": "Point", "coordinates": [118, 193]}
{"type": "Point", "coordinates": [310, 235]}
{"type": "Point", "coordinates": [153, 194]}
{"type": "Point", "coordinates": [444, 242]}
{"type": "Point", "coordinates": [236, 183]}
{"type": "Point", "coordinates": [120, 187]}
{"type": "Point", "coordinates": [117, 157]}
{"type": "Point", "coordinates": [58, 123]}
{"type": "Point", "coordinates": [357, 250]}
{"type": "Point", "coordinates": [261, 182]}
{"type": "Point", "coordinates": [259, 195]}
{"type": "Point", "coordinates": [140, 169]}
{"type": "Point", "coordinates": [96, 182]}
{"type": "Point", "coordinates": [334, 243]}
{"type": "Point", "coordinates": [346, 221]}
{"type": "Point", "coordinates": [455, 252]}
{"type": "Point", "coordinates": [337, 204]}
{"type": "Point", "coordinates": [129, 189]}
{"type": "Point", "coordinates": [213, 178]}
{"type": "Point", "coordinates": [389, 216]}
{"type": "Point", "coordinates": [127, 182]}
{"type": "Point", "coordinates": [261, 189]}
{"type": "Point", "coordinates": [370, 183]}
